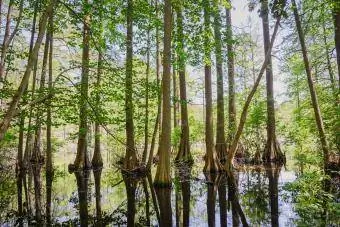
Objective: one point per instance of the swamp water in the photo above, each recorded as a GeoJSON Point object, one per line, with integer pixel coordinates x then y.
{"type": "Point", "coordinates": [253, 196]}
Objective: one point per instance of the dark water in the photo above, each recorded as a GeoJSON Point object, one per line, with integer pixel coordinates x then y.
{"type": "Point", "coordinates": [105, 197]}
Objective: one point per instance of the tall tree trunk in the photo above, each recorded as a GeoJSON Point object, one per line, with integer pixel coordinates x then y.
{"type": "Point", "coordinates": [221, 147]}
{"type": "Point", "coordinates": [174, 71]}
{"type": "Point", "coordinates": [159, 97]}
{"type": "Point", "coordinates": [130, 161]}
{"type": "Point", "coordinates": [243, 118]}
{"type": "Point", "coordinates": [9, 37]}
{"type": "Point", "coordinates": [97, 160]}
{"type": "Point", "coordinates": [49, 167]}
{"type": "Point", "coordinates": [336, 19]}
{"type": "Point", "coordinates": [27, 154]}
{"type": "Point", "coordinates": [272, 151]}
{"type": "Point", "coordinates": [162, 177]}
{"type": "Point", "coordinates": [231, 79]}
{"type": "Point", "coordinates": [25, 79]}
{"type": "Point", "coordinates": [327, 51]}
{"type": "Point", "coordinates": [37, 135]}
{"type": "Point", "coordinates": [211, 161]}
{"type": "Point", "coordinates": [175, 94]}
{"type": "Point", "coordinates": [147, 75]}
{"type": "Point", "coordinates": [82, 162]}
{"type": "Point", "coordinates": [316, 108]}
{"type": "Point", "coordinates": [184, 146]}
{"type": "Point", "coordinates": [5, 39]}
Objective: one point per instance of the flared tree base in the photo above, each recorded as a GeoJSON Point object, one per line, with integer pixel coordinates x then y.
{"type": "Point", "coordinates": [273, 154]}
{"type": "Point", "coordinates": [221, 151]}
{"type": "Point", "coordinates": [212, 165]}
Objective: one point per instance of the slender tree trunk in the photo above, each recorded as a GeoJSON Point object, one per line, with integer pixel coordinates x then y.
{"type": "Point", "coordinates": [159, 97]}
{"type": "Point", "coordinates": [9, 37]}
{"type": "Point", "coordinates": [174, 71]}
{"type": "Point", "coordinates": [82, 162]}
{"type": "Point", "coordinates": [329, 64]}
{"type": "Point", "coordinates": [130, 161]}
{"type": "Point", "coordinates": [146, 123]}
{"type": "Point", "coordinates": [97, 160]}
{"type": "Point", "coordinates": [162, 177]}
{"type": "Point", "coordinates": [49, 166]}
{"type": "Point", "coordinates": [184, 146]}
{"type": "Point", "coordinates": [336, 19]}
{"type": "Point", "coordinates": [175, 94]}
{"type": "Point", "coordinates": [37, 135]}
{"type": "Point", "coordinates": [231, 79]}
{"type": "Point", "coordinates": [5, 40]}
{"type": "Point", "coordinates": [243, 118]}
{"type": "Point", "coordinates": [211, 161]}
{"type": "Point", "coordinates": [25, 79]}
{"type": "Point", "coordinates": [317, 112]}
{"type": "Point", "coordinates": [272, 151]}
{"type": "Point", "coordinates": [221, 147]}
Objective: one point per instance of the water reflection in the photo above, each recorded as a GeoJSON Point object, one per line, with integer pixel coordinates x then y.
{"type": "Point", "coordinates": [182, 195]}
{"type": "Point", "coordinates": [82, 178]}
{"type": "Point", "coordinates": [250, 197]}
{"type": "Point", "coordinates": [97, 173]}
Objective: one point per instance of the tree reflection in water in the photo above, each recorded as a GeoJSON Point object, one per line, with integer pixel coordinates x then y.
{"type": "Point", "coordinates": [248, 197]}
{"type": "Point", "coordinates": [183, 194]}
{"type": "Point", "coordinates": [82, 178]}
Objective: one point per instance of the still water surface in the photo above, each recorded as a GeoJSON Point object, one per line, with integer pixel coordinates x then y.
{"type": "Point", "coordinates": [252, 196]}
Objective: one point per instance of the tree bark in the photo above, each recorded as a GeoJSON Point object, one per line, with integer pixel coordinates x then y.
{"type": "Point", "coordinates": [9, 37]}
{"type": "Point", "coordinates": [49, 166]}
{"type": "Point", "coordinates": [32, 59]}
{"type": "Point", "coordinates": [221, 147]}
{"type": "Point", "coordinates": [146, 120]}
{"type": "Point", "coordinates": [162, 177]}
{"type": "Point", "coordinates": [231, 79]}
{"type": "Point", "coordinates": [97, 160]}
{"type": "Point", "coordinates": [159, 97]}
{"type": "Point", "coordinates": [130, 161]}
{"type": "Point", "coordinates": [336, 19]}
{"type": "Point", "coordinates": [243, 118]}
{"type": "Point", "coordinates": [37, 135]}
{"type": "Point", "coordinates": [184, 146]}
{"type": "Point", "coordinates": [272, 151]}
{"type": "Point", "coordinates": [82, 162]}
{"type": "Point", "coordinates": [315, 104]}
{"type": "Point", "coordinates": [211, 161]}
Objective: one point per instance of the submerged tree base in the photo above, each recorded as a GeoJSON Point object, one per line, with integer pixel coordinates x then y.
{"type": "Point", "coordinates": [273, 154]}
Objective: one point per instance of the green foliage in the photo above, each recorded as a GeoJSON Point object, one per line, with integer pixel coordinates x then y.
{"type": "Point", "coordinates": [312, 201]}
